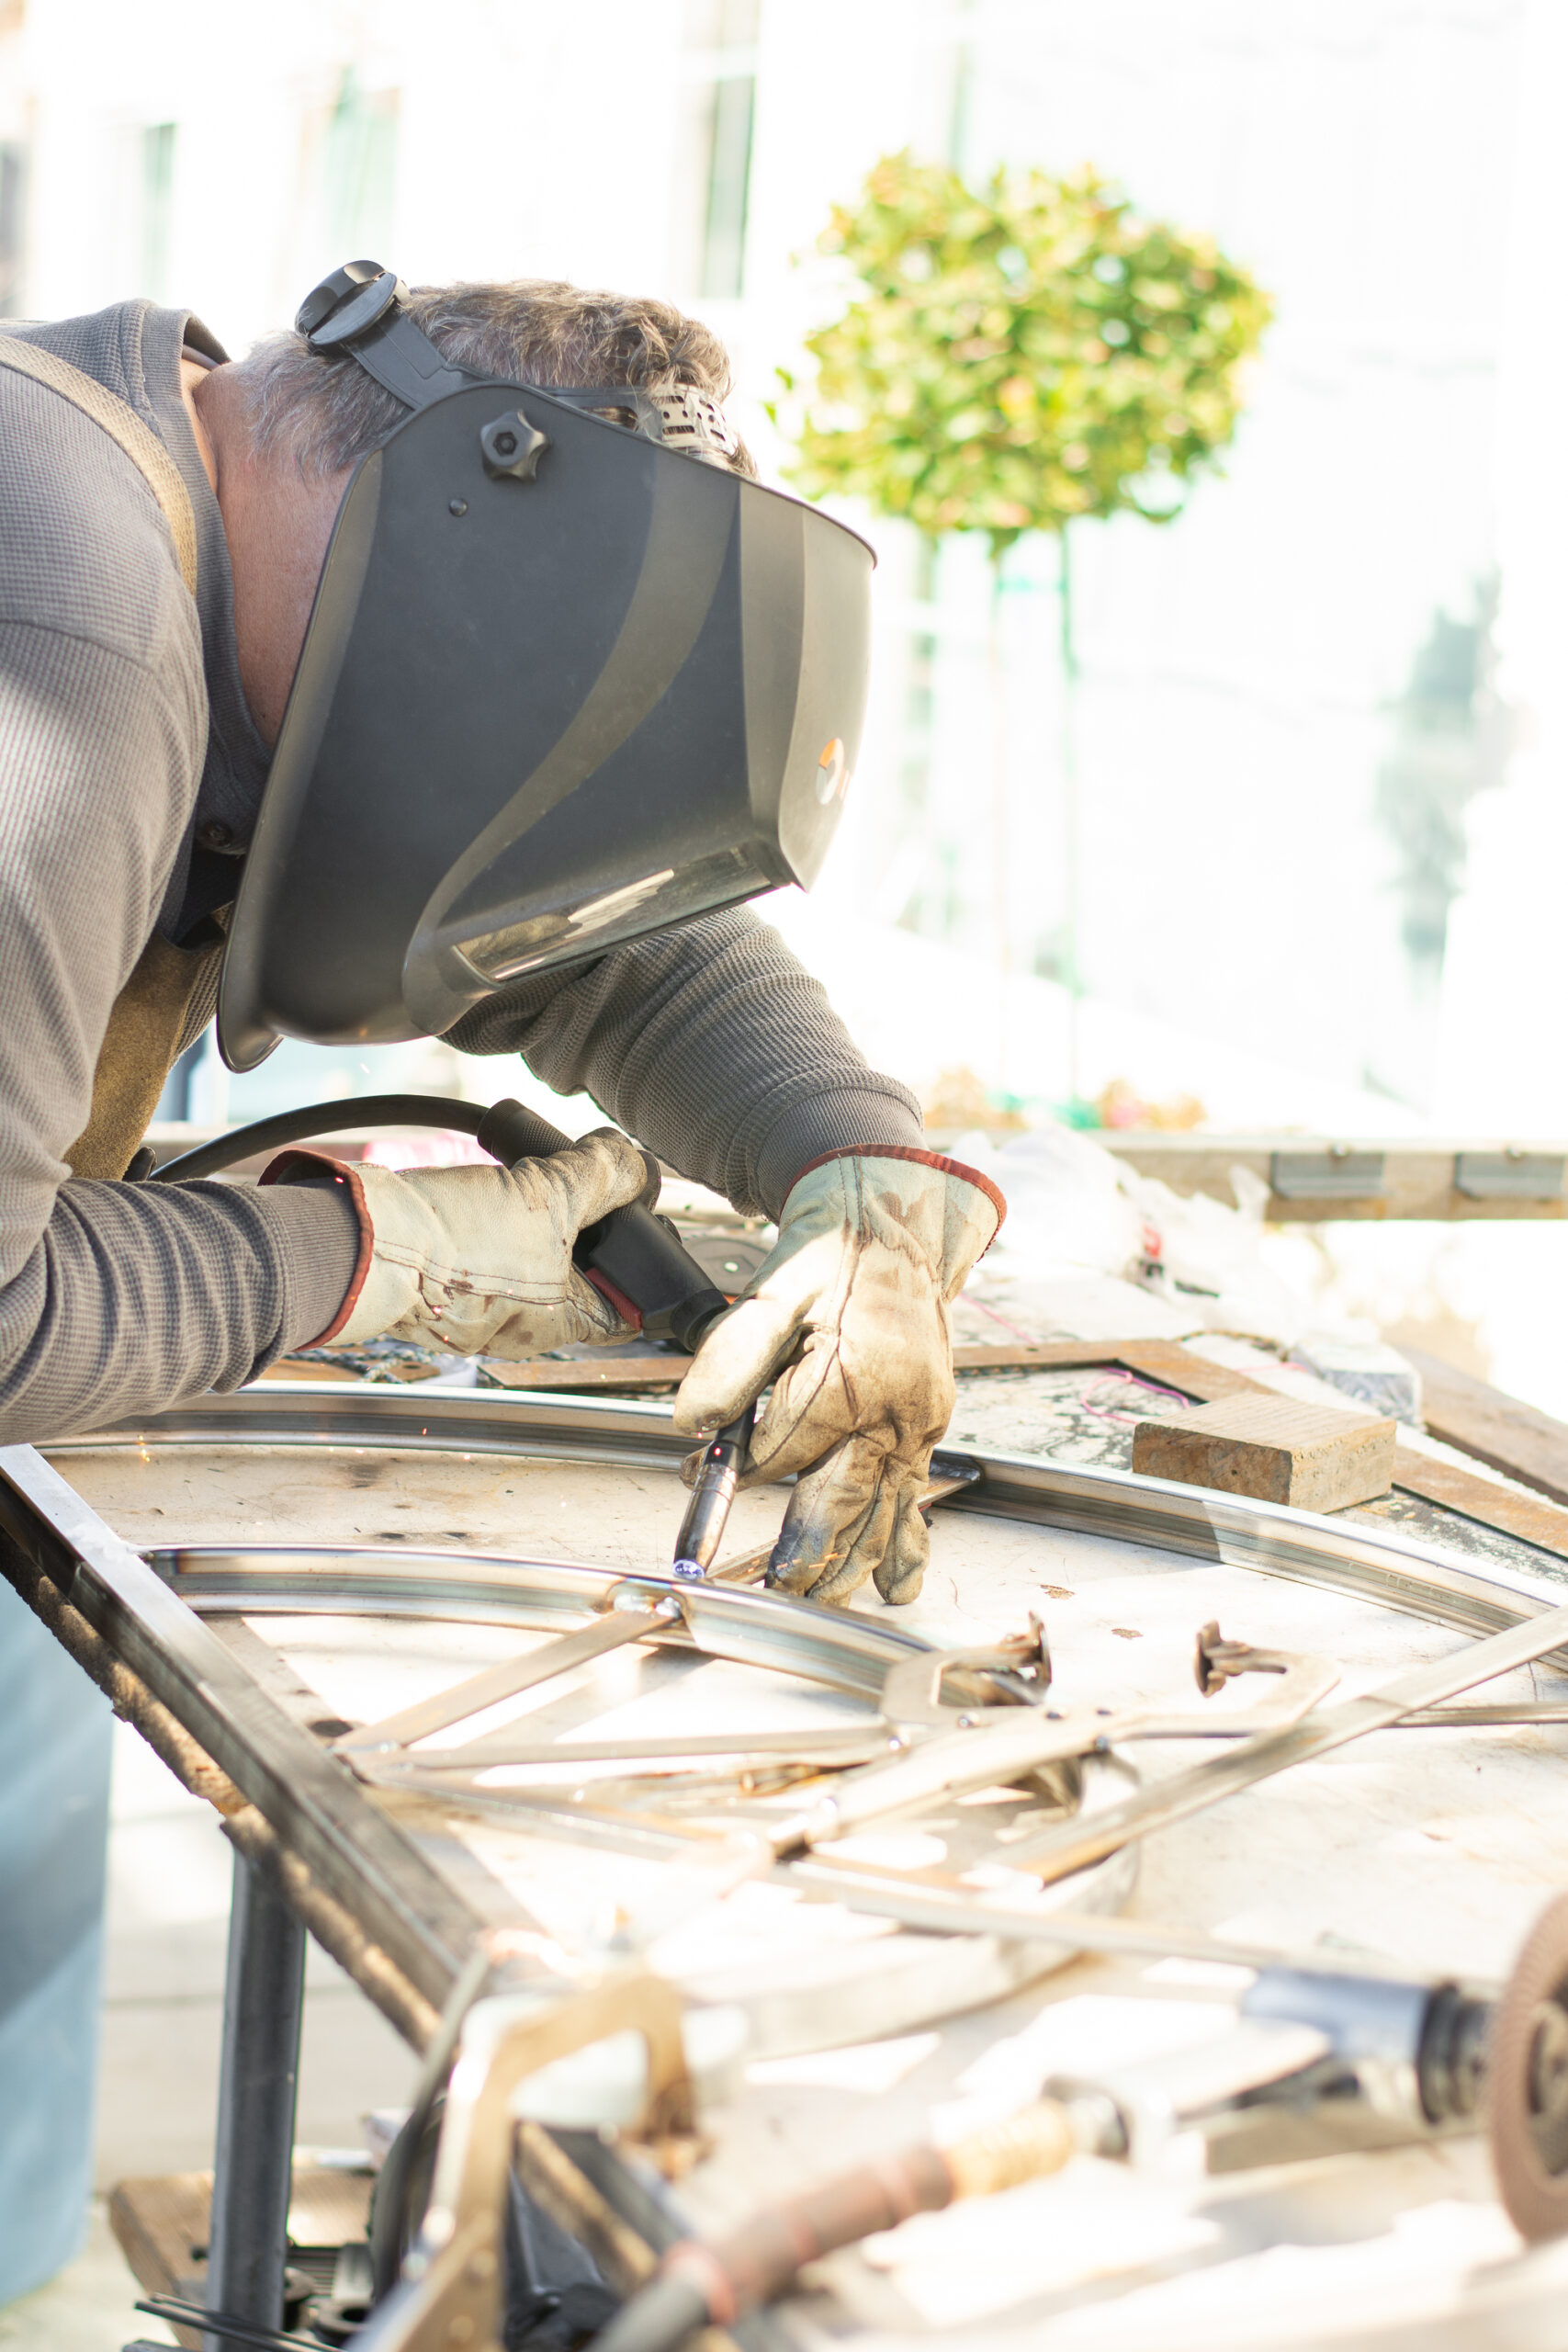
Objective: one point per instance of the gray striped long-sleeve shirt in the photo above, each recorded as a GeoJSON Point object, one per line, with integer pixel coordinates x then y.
{"type": "Point", "coordinates": [130, 778]}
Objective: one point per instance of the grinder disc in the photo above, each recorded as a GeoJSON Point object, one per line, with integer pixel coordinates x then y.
{"type": "Point", "coordinates": [1526, 2096]}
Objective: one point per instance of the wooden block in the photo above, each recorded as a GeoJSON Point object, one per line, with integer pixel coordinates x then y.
{"type": "Point", "coordinates": [1501, 1431]}
{"type": "Point", "coordinates": [1273, 1448]}
{"type": "Point", "coordinates": [162, 2225]}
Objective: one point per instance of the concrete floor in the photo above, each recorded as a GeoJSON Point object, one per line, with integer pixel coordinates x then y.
{"type": "Point", "coordinates": [168, 1907]}
{"type": "Point", "coordinates": [89, 2308]}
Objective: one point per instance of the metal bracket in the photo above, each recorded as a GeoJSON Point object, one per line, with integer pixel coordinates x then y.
{"type": "Point", "coordinates": [1337, 1174]}
{"type": "Point", "coordinates": [1010, 1673]}
{"type": "Point", "coordinates": [451, 2289]}
{"type": "Point", "coordinates": [1217, 1660]}
{"type": "Point", "coordinates": [1511, 1174]}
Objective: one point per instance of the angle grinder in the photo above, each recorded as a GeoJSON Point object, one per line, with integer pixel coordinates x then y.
{"type": "Point", "coordinates": [1415, 2057]}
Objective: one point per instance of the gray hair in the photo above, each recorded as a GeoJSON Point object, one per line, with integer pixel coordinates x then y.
{"type": "Point", "coordinates": [324, 411]}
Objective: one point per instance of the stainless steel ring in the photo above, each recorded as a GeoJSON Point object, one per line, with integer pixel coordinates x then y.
{"type": "Point", "coordinates": [1392, 1570]}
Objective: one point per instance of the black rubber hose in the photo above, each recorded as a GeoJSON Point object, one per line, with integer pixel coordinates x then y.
{"type": "Point", "coordinates": [322, 1119]}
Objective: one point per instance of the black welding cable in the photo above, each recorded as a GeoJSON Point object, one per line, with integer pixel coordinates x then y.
{"type": "Point", "coordinates": [322, 1119]}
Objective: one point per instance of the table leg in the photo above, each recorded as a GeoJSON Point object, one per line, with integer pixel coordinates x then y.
{"type": "Point", "coordinates": [262, 1999]}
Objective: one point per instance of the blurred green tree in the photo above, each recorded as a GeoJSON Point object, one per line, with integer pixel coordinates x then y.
{"type": "Point", "coordinates": [1019, 358]}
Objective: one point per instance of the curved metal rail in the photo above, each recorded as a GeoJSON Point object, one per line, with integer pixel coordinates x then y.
{"type": "Point", "coordinates": [1392, 1570]}
{"type": "Point", "coordinates": [1472, 1596]}
{"type": "Point", "coordinates": [828, 1645]}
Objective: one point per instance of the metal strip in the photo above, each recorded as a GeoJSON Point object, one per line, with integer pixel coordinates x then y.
{"type": "Point", "coordinates": [745, 1751]}
{"type": "Point", "coordinates": [507, 1680]}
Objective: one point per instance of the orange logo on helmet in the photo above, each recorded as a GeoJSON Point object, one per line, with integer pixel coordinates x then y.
{"type": "Point", "coordinates": [832, 772]}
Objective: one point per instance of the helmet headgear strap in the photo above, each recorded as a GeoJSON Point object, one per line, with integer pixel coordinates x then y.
{"type": "Point", "coordinates": [361, 308]}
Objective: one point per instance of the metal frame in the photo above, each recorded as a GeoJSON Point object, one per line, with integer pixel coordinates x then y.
{"type": "Point", "coordinates": [318, 1813]}
{"type": "Point", "coordinates": [334, 1835]}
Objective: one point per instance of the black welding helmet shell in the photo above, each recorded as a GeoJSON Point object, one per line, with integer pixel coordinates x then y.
{"type": "Point", "coordinates": [563, 685]}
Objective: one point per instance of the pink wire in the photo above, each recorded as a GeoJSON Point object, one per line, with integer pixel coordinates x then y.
{"type": "Point", "coordinates": [1107, 1413]}
{"type": "Point", "coordinates": [1018, 1332]}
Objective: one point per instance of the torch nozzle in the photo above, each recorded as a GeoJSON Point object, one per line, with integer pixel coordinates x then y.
{"type": "Point", "coordinates": [702, 1529]}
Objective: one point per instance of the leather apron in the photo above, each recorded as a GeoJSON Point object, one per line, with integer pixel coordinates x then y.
{"type": "Point", "coordinates": [147, 1033]}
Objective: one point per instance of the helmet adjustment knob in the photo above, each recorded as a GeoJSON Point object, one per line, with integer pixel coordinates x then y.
{"type": "Point", "coordinates": [511, 448]}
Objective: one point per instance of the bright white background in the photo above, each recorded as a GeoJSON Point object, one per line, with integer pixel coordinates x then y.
{"type": "Point", "coordinates": [1392, 170]}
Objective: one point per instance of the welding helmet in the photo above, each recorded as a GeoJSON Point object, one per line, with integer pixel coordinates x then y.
{"type": "Point", "coordinates": [567, 680]}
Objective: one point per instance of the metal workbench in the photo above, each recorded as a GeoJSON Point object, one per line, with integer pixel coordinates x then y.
{"type": "Point", "coordinates": [375, 1536]}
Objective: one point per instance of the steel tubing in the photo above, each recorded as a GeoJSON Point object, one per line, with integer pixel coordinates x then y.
{"type": "Point", "coordinates": [253, 2174]}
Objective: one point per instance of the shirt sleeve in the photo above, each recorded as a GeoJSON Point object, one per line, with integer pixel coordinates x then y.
{"type": "Point", "coordinates": [713, 1045]}
{"type": "Point", "coordinates": [115, 1298]}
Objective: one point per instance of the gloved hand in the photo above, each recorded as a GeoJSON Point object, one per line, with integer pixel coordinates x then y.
{"type": "Point", "coordinates": [478, 1260]}
{"type": "Point", "coordinates": [848, 1318]}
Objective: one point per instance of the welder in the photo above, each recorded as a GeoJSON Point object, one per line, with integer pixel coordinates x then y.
{"type": "Point", "coordinates": [573, 686]}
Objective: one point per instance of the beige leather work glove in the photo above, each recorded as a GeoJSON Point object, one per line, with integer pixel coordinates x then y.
{"type": "Point", "coordinates": [478, 1260]}
{"type": "Point", "coordinates": [848, 1318]}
